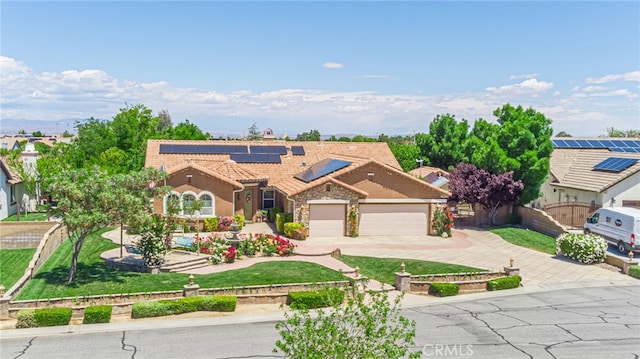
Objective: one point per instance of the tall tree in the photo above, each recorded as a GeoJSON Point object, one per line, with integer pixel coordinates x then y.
{"type": "Point", "coordinates": [563, 134]}
{"type": "Point", "coordinates": [525, 136]}
{"type": "Point", "coordinates": [133, 126]}
{"type": "Point", "coordinates": [254, 134]}
{"type": "Point", "coordinates": [188, 131]}
{"type": "Point", "coordinates": [94, 137]}
{"type": "Point", "coordinates": [469, 184]}
{"type": "Point", "coordinates": [165, 120]}
{"type": "Point", "coordinates": [444, 144]}
{"type": "Point", "coordinates": [89, 199]}
{"type": "Point", "coordinates": [407, 155]}
{"type": "Point", "coordinates": [313, 135]}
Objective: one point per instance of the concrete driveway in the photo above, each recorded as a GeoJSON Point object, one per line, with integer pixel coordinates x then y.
{"type": "Point", "coordinates": [472, 247]}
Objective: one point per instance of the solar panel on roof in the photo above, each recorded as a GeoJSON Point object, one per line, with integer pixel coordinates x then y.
{"type": "Point", "coordinates": [583, 144]}
{"type": "Point", "coordinates": [572, 143]}
{"type": "Point", "coordinates": [256, 157]}
{"type": "Point", "coordinates": [559, 144]}
{"type": "Point", "coordinates": [171, 148]}
{"type": "Point", "coordinates": [615, 164]}
{"type": "Point", "coordinates": [321, 169]}
{"type": "Point", "coordinates": [281, 150]}
{"type": "Point", "coordinates": [297, 150]}
{"type": "Point", "coordinates": [596, 144]}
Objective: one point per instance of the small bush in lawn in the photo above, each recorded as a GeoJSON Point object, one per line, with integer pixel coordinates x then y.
{"type": "Point", "coordinates": [272, 212]}
{"type": "Point", "coordinates": [634, 271]}
{"type": "Point", "coordinates": [49, 317]}
{"type": "Point", "coordinates": [97, 314]}
{"type": "Point", "coordinates": [444, 289]}
{"type": "Point", "coordinates": [504, 283]}
{"type": "Point", "coordinates": [585, 248]}
{"type": "Point", "coordinates": [329, 297]}
{"type": "Point", "coordinates": [219, 303]}
{"type": "Point", "coordinates": [26, 319]}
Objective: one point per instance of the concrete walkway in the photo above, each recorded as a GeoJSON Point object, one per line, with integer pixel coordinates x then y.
{"type": "Point", "coordinates": [470, 246]}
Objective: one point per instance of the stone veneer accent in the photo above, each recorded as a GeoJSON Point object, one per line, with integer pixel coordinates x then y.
{"type": "Point", "coordinates": [335, 192]}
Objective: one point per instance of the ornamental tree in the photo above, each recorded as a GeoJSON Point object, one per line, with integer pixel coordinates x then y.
{"type": "Point", "coordinates": [89, 200]}
{"type": "Point", "coordinates": [367, 327]}
{"type": "Point", "coordinates": [469, 184]}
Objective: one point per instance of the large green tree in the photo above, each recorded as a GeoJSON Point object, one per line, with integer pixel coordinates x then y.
{"type": "Point", "coordinates": [188, 131]}
{"type": "Point", "coordinates": [89, 199]}
{"type": "Point", "coordinates": [444, 144]}
{"type": "Point", "coordinates": [313, 135]}
{"type": "Point", "coordinates": [133, 126]}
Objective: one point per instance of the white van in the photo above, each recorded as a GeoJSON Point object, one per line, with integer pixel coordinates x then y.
{"type": "Point", "coordinates": [620, 226]}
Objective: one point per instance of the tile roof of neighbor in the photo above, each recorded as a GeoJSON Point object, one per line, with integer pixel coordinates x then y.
{"type": "Point", "coordinates": [278, 174]}
{"type": "Point", "coordinates": [12, 176]}
{"type": "Point", "coordinates": [573, 168]}
{"type": "Point", "coordinates": [424, 171]}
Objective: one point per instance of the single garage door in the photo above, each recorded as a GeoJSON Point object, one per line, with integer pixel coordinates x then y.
{"type": "Point", "coordinates": [327, 220]}
{"type": "Point", "coordinates": [388, 219]}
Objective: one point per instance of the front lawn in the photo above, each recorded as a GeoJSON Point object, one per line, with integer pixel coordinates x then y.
{"type": "Point", "coordinates": [13, 263]}
{"type": "Point", "coordinates": [384, 269]}
{"type": "Point", "coordinates": [29, 217]}
{"type": "Point", "coordinates": [526, 238]}
{"type": "Point", "coordinates": [94, 278]}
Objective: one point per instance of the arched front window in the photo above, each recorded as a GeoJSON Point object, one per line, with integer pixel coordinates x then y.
{"type": "Point", "coordinates": [207, 205]}
{"type": "Point", "coordinates": [172, 203]}
{"type": "Point", "coordinates": [188, 200]}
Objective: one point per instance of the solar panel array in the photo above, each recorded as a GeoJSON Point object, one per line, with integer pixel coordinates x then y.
{"type": "Point", "coordinates": [281, 150]}
{"type": "Point", "coordinates": [170, 148]}
{"type": "Point", "coordinates": [615, 164]}
{"type": "Point", "coordinates": [615, 145]}
{"type": "Point", "coordinates": [256, 157]}
{"type": "Point", "coordinates": [297, 150]}
{"type": "Point", "coordinates": [321, 169]}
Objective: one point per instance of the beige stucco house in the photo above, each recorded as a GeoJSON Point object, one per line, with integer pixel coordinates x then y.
{"type": "Point", "coordinates": [320, 183]}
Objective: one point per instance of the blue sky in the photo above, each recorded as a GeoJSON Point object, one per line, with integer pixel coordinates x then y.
{"type": "Point", "coordinates": [339, 67]}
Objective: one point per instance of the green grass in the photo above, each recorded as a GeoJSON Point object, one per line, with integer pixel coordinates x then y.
{"type": "Point", "coordinates": [384, 269]}
{"type": "Point", "coordinates": [94, 278]}
{"type": "Point", "coordinates": [13, 262]}
{"type": "Point", "coordinates": [33, 216]}
{"type": "Point", "coordinates": [526, 238]}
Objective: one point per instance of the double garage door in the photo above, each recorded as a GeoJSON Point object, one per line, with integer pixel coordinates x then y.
{"type": "Point", "coordinates": [379, 219]}
{"type": "Point", "coordinates": [399, 219]}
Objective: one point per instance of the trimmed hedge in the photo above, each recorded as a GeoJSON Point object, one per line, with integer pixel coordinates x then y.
{"type": "Point", "coordinates": [443, 289]}
{"type": "Point", "coordinates": [160, 308]}
{"type": "Point", "coordinates": [239, 220]}
{"type": "Point", "coordinates": [43, 317]}
{"type": "Point", "coordinates": [211, 224]}
{"type": "Point", "coordinates": [97, 314]}
{"type": "Point", "coordinates": [272, 212]}
{"type": "Point", "coordinates": [329, 297]}
{"type": "Point", "coordinates": [26, 319]}
{"type": "Point", "coordinates": [291, 227]}
{"type": "Point", "coordinates": [504, 283]}
{"type": "Point", "coordinates": [634, 271]}
{"type": "Point", "coordinates": [281, 219]}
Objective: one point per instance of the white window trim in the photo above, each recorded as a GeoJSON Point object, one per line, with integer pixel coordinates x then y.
{"type": "Point", "coordinates": [213, 203]}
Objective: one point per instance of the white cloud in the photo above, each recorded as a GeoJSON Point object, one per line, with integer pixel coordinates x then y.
{"type": "Point", "coordinates": [81, 94]}
{"type": "Point", "coordinates": [332, 65]}
{"type": "Point", "coordinates": [627, 76]}
{"type": "Point", "coordinates": [530, 87]}
{"type": "Point", "coordinates": [524, 76]}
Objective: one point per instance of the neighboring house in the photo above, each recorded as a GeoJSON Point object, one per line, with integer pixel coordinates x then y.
{"type": "Point", "coordinates": [603, 172]}
{"type": "Point", "coordinates": [432, 175]}
{"type": "Point", "coordinates": [11, 190]}
{"type": "Point", "coordinates": [9, 143]}
{"type": "Point", "coordinates": [321, 183]}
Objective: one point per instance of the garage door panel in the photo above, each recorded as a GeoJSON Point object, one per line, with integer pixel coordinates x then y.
{"type": "Point", "coordinates": [327, 220]}
{"type": "Point", "coordinates": [393, 219]}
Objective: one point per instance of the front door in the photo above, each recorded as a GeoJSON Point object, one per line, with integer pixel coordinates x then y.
{"type": "Point", "coordinates": [248, 205]}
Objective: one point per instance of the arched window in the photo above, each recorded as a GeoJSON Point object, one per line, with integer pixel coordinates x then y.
{"type": "Point", "coordinates": [172, 201]}
{"type": "Point", "coordinates": [188, 200]}
{"type": "Point", "coordinates": [207, 205]}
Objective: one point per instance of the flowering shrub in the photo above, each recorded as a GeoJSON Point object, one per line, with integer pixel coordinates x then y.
{"type": "Point", "coordinates": [284, 247]}
{"type": "Point", "coordinates": [230, 255]}
{"type": "Point", "coordinates": [224, 223]}
{"type": "Point", "coordinates": [585, 248]}
{"type": "Point", "coordinates": [443, 221]}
